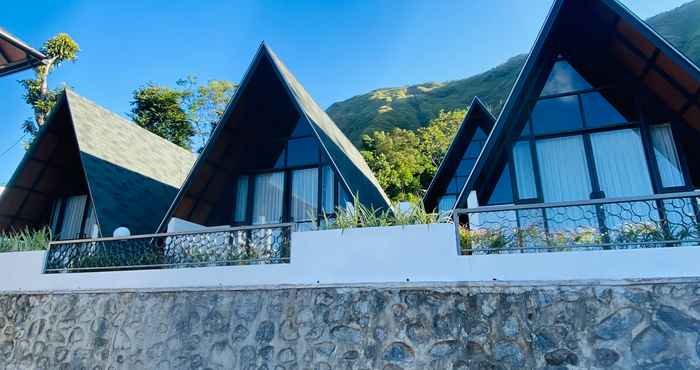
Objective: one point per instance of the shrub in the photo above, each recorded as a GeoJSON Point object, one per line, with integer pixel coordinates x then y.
{"type": "Point", "coordinates": [25, 240]}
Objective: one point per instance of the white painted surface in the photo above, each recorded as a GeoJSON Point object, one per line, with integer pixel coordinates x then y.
{"type": "Point", "coordinates": [420, 253]}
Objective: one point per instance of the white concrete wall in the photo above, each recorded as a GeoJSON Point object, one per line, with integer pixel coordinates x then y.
{"type": "Point", "coordinates": [419, 254]}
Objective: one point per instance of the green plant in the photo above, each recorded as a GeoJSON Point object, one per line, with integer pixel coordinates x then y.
{"type": "Point", "coordinates": [486, 239]}
{"type": "Point", "coordinates": [25, 240]}
{"type": "Point", "coordinates": [359, 215]}
{"type": "Point", "coordinates": [641, 232]}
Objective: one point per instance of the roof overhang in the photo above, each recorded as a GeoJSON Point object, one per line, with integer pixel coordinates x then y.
{"type": "Point", "coordinates": [15, 55]}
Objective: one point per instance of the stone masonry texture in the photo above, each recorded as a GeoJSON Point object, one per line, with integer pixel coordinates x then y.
{"type": "Point", "coordinates": [631, 326]}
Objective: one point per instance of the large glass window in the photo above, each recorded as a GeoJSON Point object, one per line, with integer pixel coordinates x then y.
{"type": "Point", "coordinates": [302, 152]}
{"type": "Point", "coordinates": [304, 196]}
{"type": "Point", "coordinates": [620, 163]}
{"type": "Point", "coordinates": [555, 115]}
{"type": "Point", "coordinates": [666, 156]}
{"type": "Point", "coordinates": [563, 169]}
{"type": "Point", "coordinates": [73, 218]}
{"type": "Point", "coordinates": [524, 170]}
{"type": "Point", "coordinates": [503, 191]}
{"type": "Point", "coordinates": [241, 206]}
{"type": "Point", "coordinates": [599, 112]}
{"type": "Point", "coordinates": [268, 199]}
{"type": "Point", "coordinates": [564, 78]}
{"type": "Point", "coordinates": [328, 190]}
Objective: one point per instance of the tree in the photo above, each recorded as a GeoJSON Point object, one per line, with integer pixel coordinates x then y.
{"type": "Point", "coordinates": [160, 110]}
{"type": "Point", "coordinates": [396, 160]}
{"type": "Point", "coordinates": [205, 104]}
{"type": "Point", "coordinates": [405, 161]}
{"type": "Point", "coordinates": [58, 50]}
{"type": "Point", "coordinates": [436, 138]}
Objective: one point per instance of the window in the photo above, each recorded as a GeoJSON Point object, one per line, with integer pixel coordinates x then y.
{"type": "Point", "coordinates": [304, 196]}
{"type": "Point", "coordinates": [564, 78]}
{"type": "Point", "coordinates": [503, 191]}
{"type": "Point", "coordinates": [599, 112]}
{"type": "Point", "coordinates": [74, 218]}
{"type": "Point", "coordinates": [620, 163]}
{"type": "Point", "coordinates": [268, 198]}
{"type": "Point", "coordinates": [666, 156]}
{"type": "Point", "coordinates": [555, 115]}
{"type": "Point", "coordinates": [524, 170]}
{"type": "Point", "coordinates": [302, 152]}
{"type": "Point", "coordinates": [241, 206]}
{"type": "Point", "coordinates": [563, 169]}
{"type": "Point", "coordinates": [446, 202]}
{"type": "Point", "coordinates": [344, 199]}
{"type": "Point", "coordinates": [328, 184]}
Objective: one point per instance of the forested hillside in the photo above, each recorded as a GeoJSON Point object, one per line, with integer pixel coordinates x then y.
{"type": "Point", "coordinates": [414, 106]}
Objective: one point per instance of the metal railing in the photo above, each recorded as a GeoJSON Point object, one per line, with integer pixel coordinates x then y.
{"type": "Point", "coordinates": [260, 244]}
{"type": "Point", "coordinates": [665, 220]}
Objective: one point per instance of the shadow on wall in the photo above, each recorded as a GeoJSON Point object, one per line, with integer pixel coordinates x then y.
{"type": "Point", "coordinates": [126, 198]}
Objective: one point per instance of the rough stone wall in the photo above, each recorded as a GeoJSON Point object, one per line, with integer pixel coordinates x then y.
{"type": "Point", "coordinates": [645, 326]}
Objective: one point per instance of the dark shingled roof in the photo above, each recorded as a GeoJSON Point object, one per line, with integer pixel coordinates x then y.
{"type": "Point", "coordinates": [15, 55]}
{"type": "Point", "coordinates": [132, 175]}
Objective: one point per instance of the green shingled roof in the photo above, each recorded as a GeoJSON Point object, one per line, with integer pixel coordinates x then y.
{"type": "Point", "coordinates": [133, 175]}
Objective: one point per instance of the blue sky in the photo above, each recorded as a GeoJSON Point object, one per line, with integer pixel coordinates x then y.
{"type": "Point", "coordinates": [337, 49]}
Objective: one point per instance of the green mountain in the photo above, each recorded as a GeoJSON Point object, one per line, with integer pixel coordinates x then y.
{"type": "Point", "coordinates": [413, 106]}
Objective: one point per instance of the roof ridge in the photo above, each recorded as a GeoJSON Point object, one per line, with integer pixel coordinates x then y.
{"type": "Point", "coordinates": [122, 120]}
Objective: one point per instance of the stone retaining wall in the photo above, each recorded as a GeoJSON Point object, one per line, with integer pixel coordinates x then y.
{"type": "Point", "coordinates": [637, 326]}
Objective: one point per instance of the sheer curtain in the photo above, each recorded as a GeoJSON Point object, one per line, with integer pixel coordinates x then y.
{"type": "Point", "coordinates": [524, 171]}
{"type": "Point", "coordinates": [90, 227]}
{"type": "Point", "coordinates": [564, 175]}
{"type": "Point", "coordinates": [304, 194]}
{"type": "Point", "coordinates": [620, 163]}
{"type": "Point", "coordinates": [666, 156]}
{"type": "Point", "coordinates": [239, 214]}
{"type": "Point", "coordinates": [563, 169]}
{"type": "Point", "coordinates": [328, 189]}
{"type": "Point", "coordinates": [73, 217]}
{"type": "Point", "coordinates": [268, 198]}
{"type": "Point", "coordinates": [623, 172]}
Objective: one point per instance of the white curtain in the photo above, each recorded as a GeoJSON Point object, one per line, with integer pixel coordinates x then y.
{"type": "Point", "coordinates": [55, 215]}
{"type": "Point", "coordinates": [666, 156]}
{"type": "Point", "coordinates": [73, 217]}
{"type": "Point", "coordinates": [90, 227]}
{"type": "Point", "coordinates": [328, 187]}
{"type": "Point", "coordinates": [620, 163]}
{"type": "Point", "coordinates": [241, 199]}
{"type": "Point", "coordinates": [304, 194]}
{"type": "Point", "coordinates": [268, 198]}
{"type": "Point", "coordinates": [524, 171]}
{"type": "Point", "coordinates": [564, 175]}
{"type": "Point", "coordinates": [563, 169]}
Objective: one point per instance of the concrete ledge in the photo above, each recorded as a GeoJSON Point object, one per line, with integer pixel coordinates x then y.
{"type": "Point", "coordinates": [409, 256]}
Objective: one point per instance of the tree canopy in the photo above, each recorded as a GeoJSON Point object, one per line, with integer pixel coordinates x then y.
{"type": "Point", "coordinates": [58, 50]}
{"type": "Point", "coordinates": [405, 161]}
{"type": "Point", "coordinates": [159, 109]}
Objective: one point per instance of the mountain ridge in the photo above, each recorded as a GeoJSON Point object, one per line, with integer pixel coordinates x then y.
{"type": "Point", "coordinates": [412, 106]}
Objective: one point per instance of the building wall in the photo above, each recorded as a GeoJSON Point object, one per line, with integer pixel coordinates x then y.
{"type": "Point", "coordinates": [641, 325]}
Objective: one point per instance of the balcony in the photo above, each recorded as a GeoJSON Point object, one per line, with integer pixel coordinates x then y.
{"type": "Point", "coordinates": [667, 220]}
{"type": "Point", "coordinates": [263, 244]}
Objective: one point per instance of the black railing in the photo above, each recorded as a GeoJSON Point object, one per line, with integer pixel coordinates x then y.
{"type": "Point", "coordinates": [667, 220]}
{"type": "Point", "coordinates": [263, 244]}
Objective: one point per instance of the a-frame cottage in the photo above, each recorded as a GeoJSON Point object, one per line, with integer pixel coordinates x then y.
{"type": "Point", "coordinates": [603, 109]}
{"type": "Point", "coordinates": [275, 157]}
{"type": "Point", "coordinates": [460, 158]}
{"type": "Point", "coordinates": [89, 172]}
